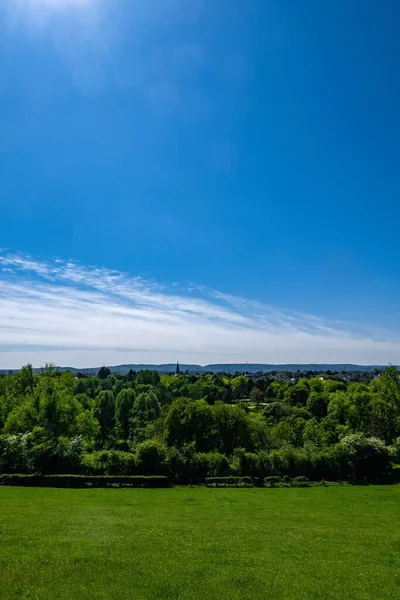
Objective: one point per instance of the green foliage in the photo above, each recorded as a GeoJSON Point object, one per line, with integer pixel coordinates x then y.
{"type": "Point", "coordinates": [231, 481]}
{"type": "Point", "coordinates": [394, 451]}
{"type": "Point", "coordinates": [208, 388]}
{"type": "Point", "coordinates": [239, 386]}
{"type": "Point", "coordinates": [190, 421]}
{"type": "Point", "coordinates": [70, 451]}
{"type": "Point", "coordinates": [272, 481]}
{"type": "Point", "coordinates": [22, 418]}
{"type": "Point", "coordinates": [317, 404]}
{"type": "Point", "coordinates": [274, 412]}
{"type": "Point", "coordinates": [369, 457]}
{"type": "Point", "coordinates": [314, 432]}
{"type": "Point", "coordinates": [103, 373]}
{"type": "Point", "coordinates": [83, 481]}
{"type": "Point", "coordinates": [300, 481]}
{"type": "Point", "coordinates": [256, 396]}
{"type": "Point", "coordinates": [104, 411]}
{"type": "Point", "coordinates": [109, 462]}
{"type": "Point", "coordinates": [193, 427]}
{"type": "Point", "coordinates": [231, 428]}
{"type": "Point", "coordinates": [210, 464]}
{"type": "Point", "coordinates": [87, 425]}
{"type": "Point", "coordinates": [178, 466]}
{"type": "Point", "coordinates": [150, 457]}
{"type": "Point", "coordinates": [145, 408]}
{"type": "Point", "coordinates": [297, 395]}
{"type": "Point", "coordinates": [14, 454]}
{"type": "Point", "coordinates": [148, 378]}
{"type": "Point", "coordinates": [385, 409]}
{"type": "Point", "coordinates": [123, 406]}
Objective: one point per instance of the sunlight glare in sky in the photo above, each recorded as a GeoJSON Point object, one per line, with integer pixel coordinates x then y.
{"type": "Point", "coordinates": [37, 14]}
{"type": "Point", "coordinates": [61, 3]}
{"type": "Point", "coordinates": [51, 5]}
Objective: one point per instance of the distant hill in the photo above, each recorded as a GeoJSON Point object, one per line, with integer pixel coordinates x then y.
{"type": "Point", "coordinates": [220, 368]}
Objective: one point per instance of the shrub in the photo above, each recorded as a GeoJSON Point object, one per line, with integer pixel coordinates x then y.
{"type": "Point", "coordinates": [369, 457]}
{"type": "Point", "coordinates": [285, 481]}
{"type": "Point", "coordinates": [209, 464]}
{"type": "Point", "coordinates": [14, 453]}
{"type": "Point", "coordinates": [176, 465]}
{"type": "Point", "coordinates": [109, 462]}
{"type": "Point", "coordinates": [82, 481]}
{"type": "Point", "coordinates": [231, 481]}
{"type": "Point", "coordinates": [246, 463]}
{"type": "Point", "coordinates": [150, 457]}
{"type": "Point", "coordinates": [300, 481]}
{"type": "Point", "coordinates": [218, 465]}
{"type": "Point", "coordinates": [272, 481]}
{"type": "Point", "coordinates": [394, 451]}
{"type": "Point", "coordinates": [277, 463]}
{"type": "Point", "coordinates": [69, 452]}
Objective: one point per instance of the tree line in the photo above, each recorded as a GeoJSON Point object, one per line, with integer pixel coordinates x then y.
{"type": "Point", "coordinates": [191, 427]}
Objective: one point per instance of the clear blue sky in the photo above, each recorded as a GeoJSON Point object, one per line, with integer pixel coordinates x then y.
{"type": "Point", "coordinates": [248, 147]}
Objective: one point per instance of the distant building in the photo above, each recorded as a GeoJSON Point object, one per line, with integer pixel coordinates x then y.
{"type": "Point", "coordinates": [177, 370]}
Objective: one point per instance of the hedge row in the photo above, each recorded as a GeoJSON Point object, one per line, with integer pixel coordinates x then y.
{"type": "Point", "coordinates": [84, 481]}
{"type": "Point", "coordinates": [229, 481]}
{"type": "Point", "coordinates": [286, 481]}
{"type": "Point", "coordinates": [157, 481]}
{"type": "Point", "coordinates": [272, 481]}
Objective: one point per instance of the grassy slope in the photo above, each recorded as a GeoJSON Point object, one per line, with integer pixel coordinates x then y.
{"type": "Point", "coordinates": [341, 543]}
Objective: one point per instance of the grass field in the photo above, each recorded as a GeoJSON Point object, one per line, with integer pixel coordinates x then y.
{"type": "Point", "coordinates": [184, 543]}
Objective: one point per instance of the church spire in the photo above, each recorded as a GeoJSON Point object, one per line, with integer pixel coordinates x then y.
{"type": "Point", "coordinates": [177, 370]}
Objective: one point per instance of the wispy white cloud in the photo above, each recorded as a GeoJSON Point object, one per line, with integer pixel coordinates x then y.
{"type": "Point", "coordinates": [67, 313]}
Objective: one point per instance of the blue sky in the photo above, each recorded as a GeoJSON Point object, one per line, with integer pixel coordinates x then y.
{"type": "Point", "coordinates": [239, 155]}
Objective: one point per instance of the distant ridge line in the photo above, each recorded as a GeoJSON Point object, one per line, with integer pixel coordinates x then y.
{"type": "Point", "coordinates": [219, 368]}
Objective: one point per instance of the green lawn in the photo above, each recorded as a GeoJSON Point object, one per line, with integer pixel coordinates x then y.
{"type": "Point", "coordinates": [336, 542]}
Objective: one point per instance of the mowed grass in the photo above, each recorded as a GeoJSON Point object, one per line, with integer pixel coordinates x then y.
{"type": "Point", "coordinates": [183, 543]}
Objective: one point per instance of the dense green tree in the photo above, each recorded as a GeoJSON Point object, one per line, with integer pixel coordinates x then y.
{"type": "Point", "coordinates": [317, 404]}
{"type": "Point", "coordinates": [109, 462]}
{"type": "Point", "coordinates": [103, 373]}
{"type": "Point", "coordinates": [239, 387]}
{"type": "Point", "coordinates": [331, 426]}
{"type": "Point", "coordinates": [104, 411]}
{"type": "Point", "coordinates": [88, 426]}
{"type": "Point", "coordinates": [283, 433]}
{"type": "Point", "coordinates": [209, 388]}
{"type": "Point", "coordinates": [270, 393]}
{"type": "Point", "coordinates": [22, 418]}
{"type": "Point", "coordinates": [146, 407]}
{"type": "Point", "coordinates": [163, 394]}
{"type": "Point", "coordinates": [385, 405]}
{"type": "Point", "coordinates": [342, 410]}
{"type": "Point", "coordinates": [190, 421]}
{"type": "Point", "coordinates": [297, 394]}
{"type": "Point", "coordinates": [334, 386]}
{"type": "Point", "coordinates": [256, 396]}
{"type": "Point", "coordinates": [15, 456]}
{"type": "Point", "coordinates": [147, 378]}
{"type": "Point", "coordinates": [150, 457]}
{"type": "Point", "coordinates": [368, 456]}
{"type": "Point", "coordinates": [231, 427]}
{"type": "Point", "coordinates": [24, 381]}
{"type": "Point", "coordinates": [123, 407]}
{"type": "Point", "coordinates": [316, 384]}
{"type": "Point", "coordinates": [276, 411]}
{"type": "Point", "coordinates": [315, 433]}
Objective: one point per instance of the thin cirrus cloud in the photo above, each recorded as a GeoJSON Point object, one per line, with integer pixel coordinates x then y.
{"type": "Point", "coordinates": [66, 313]}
